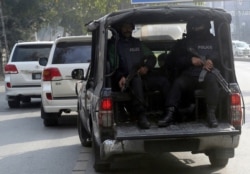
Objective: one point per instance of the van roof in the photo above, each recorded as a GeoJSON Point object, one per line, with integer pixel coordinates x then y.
{"type": "Point", "coordinates": [161, 14]}
{"type": "Point", "coordinates": [34, 43]}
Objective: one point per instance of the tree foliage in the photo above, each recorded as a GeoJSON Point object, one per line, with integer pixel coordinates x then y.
{"type": "Point", "coordinates": [25, 17]}
{"type": "Point", "coordinates": [21, 18]}
{"type": "Point", "coordinates": [73, 14]}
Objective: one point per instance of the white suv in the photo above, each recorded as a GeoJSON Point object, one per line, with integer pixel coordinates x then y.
{"type": "Point", "coordinates": [240, 49]}
{"type": "Point", "coordinates": [23, 72]}
{"type": "Point", "coordinates": [58, 87]}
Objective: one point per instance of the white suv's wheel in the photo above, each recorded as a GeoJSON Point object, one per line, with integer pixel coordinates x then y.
{"type": "Point", "coordinates": [14, 103]}
{"type": "Point", "coordinates": [49, 119]}
{"type": "Point", "coordinates": [26, 100]}
{"type": "Point", "coordinates": [50, 122]}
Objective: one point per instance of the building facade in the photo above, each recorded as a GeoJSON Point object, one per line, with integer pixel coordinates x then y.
{"type": "Point", "coordinates": [240, 11]}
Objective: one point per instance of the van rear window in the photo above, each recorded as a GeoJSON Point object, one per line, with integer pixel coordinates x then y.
{"type": "Point", "coordinates": [25, 53]}
{"type": "Point", "coordinates": [73, 52]}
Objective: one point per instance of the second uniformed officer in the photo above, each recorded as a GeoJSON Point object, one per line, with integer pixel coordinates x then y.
{"type": "Point", "coordinates": [194, 70]}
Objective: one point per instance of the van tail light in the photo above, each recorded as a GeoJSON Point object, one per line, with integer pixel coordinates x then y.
{"type": "Point", "coordinates": [105, 116]}
{"type": "Point", "coordinates": [50, 74]}
{"type": "Point", "coordinates": [10, 69]}
{"type": "Point", "coordinates": [236, 110]}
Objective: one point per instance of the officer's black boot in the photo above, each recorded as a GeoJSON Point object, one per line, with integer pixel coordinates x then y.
{"type": "Point", "coordinates": [143, 122]}
{"type": "Point", "coordinates": [168, 118]}
{"type": "Point", "coordinates": [211, 118]}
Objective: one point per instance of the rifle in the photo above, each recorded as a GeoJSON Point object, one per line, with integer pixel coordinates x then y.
{"type": "Point", "coordinates": [215, 71]}
{"type": "Point", "coordinates": [133, 73]}
{"type": "Point", "coordinates": [130, 76]}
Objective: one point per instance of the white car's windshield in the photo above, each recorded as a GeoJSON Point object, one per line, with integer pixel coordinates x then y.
{"type": "Point", "coordinates": [242, 44]}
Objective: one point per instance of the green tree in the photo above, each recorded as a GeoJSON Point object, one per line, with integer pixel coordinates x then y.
{"type": "Point", "coordinates": [72, 15]}
{"type": "Point", "coordinates": [25, 17]}
{"type": "Point", "coordinates": [22, 18]}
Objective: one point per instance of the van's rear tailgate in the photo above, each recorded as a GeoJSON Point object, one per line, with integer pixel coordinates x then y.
{"type": "Point", "coordinates": [128, 131]}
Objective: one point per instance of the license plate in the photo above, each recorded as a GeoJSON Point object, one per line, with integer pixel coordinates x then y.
{"type": "Point", "coordinates": [36, 76]}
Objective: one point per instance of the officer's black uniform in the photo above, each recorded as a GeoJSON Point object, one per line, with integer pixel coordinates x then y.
{"type": "Point", "coordinates": [205, 44]}
{"type": "Point", "coordinates": [132, 56]}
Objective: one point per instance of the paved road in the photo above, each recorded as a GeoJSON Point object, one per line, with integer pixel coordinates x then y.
{"type": "Point", "coordinates": [184, 163]}
{"type": "Point", "coordinates": [26, 146]}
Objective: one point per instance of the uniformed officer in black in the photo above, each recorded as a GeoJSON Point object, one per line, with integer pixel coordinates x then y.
{"type": "Point", "coordinates": [190, 65]}
{"type": "Point", "coordinates": [135, 56]}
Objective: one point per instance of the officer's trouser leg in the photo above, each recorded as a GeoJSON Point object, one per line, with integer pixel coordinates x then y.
{"type": "Point", "coordinates": [212, 96]}
{"type": "Point", "coordinates": [139, 102]}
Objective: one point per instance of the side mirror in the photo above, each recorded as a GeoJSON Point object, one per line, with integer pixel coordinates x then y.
{"type": "Point", "coordinates": [77, 74]}
{"type": "Point", "coordinates": [43, 61]}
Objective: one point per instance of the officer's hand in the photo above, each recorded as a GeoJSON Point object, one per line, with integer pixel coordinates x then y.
{"type": "Point", "coordinates": [208, 65]}
{"type": "Point", "coordinates": [122, 83]}
{"type": "Point", "coordinates": [143, 70]}
{"type": "Point", "coordinates": [196, 61]}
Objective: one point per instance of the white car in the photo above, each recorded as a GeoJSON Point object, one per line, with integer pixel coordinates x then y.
{"type": "Point", "coordinates": [240, 49]}
{"type": "Point", "coordinates": [58, 87]}
{"type": "Point", "coordinates": [23, 72]}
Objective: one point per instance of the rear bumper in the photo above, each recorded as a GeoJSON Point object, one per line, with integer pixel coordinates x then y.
{"type": "Point", "coordinates": [110, 148]}
{"type": "Point", "coordinates": [11, 93]}
{"type": "Point", "coordinates": [55, 106]}
{"type": "Point", "coordinates": [192, 136]}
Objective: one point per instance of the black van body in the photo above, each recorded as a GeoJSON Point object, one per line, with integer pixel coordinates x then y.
{"type": "Point", "coordinates": [98, 103]}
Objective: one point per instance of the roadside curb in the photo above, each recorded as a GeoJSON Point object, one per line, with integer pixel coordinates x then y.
{"type": "Point", "coordinates": [82, 161]}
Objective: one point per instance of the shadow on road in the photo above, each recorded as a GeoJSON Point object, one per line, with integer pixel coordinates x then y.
{"type": "Point", "coordinates": [161, 164]}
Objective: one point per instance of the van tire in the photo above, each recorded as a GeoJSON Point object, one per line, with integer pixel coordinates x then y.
{"type": "Point", "coordinates": [84, 136]}
{"type": "Point", "coordinates": [218, 161]}
{"type": "Point", "coordinates": [99, 165]}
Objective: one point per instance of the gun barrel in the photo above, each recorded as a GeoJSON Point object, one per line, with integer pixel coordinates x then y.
{"type": "Point", "coordinates": [221, 80]}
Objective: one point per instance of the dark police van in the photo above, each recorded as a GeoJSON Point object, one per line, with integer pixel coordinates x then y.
{"type": "Point", "coordinates": [99, 106]}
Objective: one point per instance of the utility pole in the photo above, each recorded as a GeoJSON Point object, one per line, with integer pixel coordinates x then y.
{"type": "Point", "coordinates": [237, 20]}
{"type": "Point", "coordinates": [3, 60]}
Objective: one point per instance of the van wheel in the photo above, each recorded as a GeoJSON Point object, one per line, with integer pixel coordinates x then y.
{"type": "Point", "coordinates": [49, 119]}
{"type": "Point", "coordinates": [83, 133]}
{"type": "Point", "coordinates": [99, 165]}
{"type": "Point", "coordinates": [217, 161]}
{"type": "Point", "coordinates": [14, 103]}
